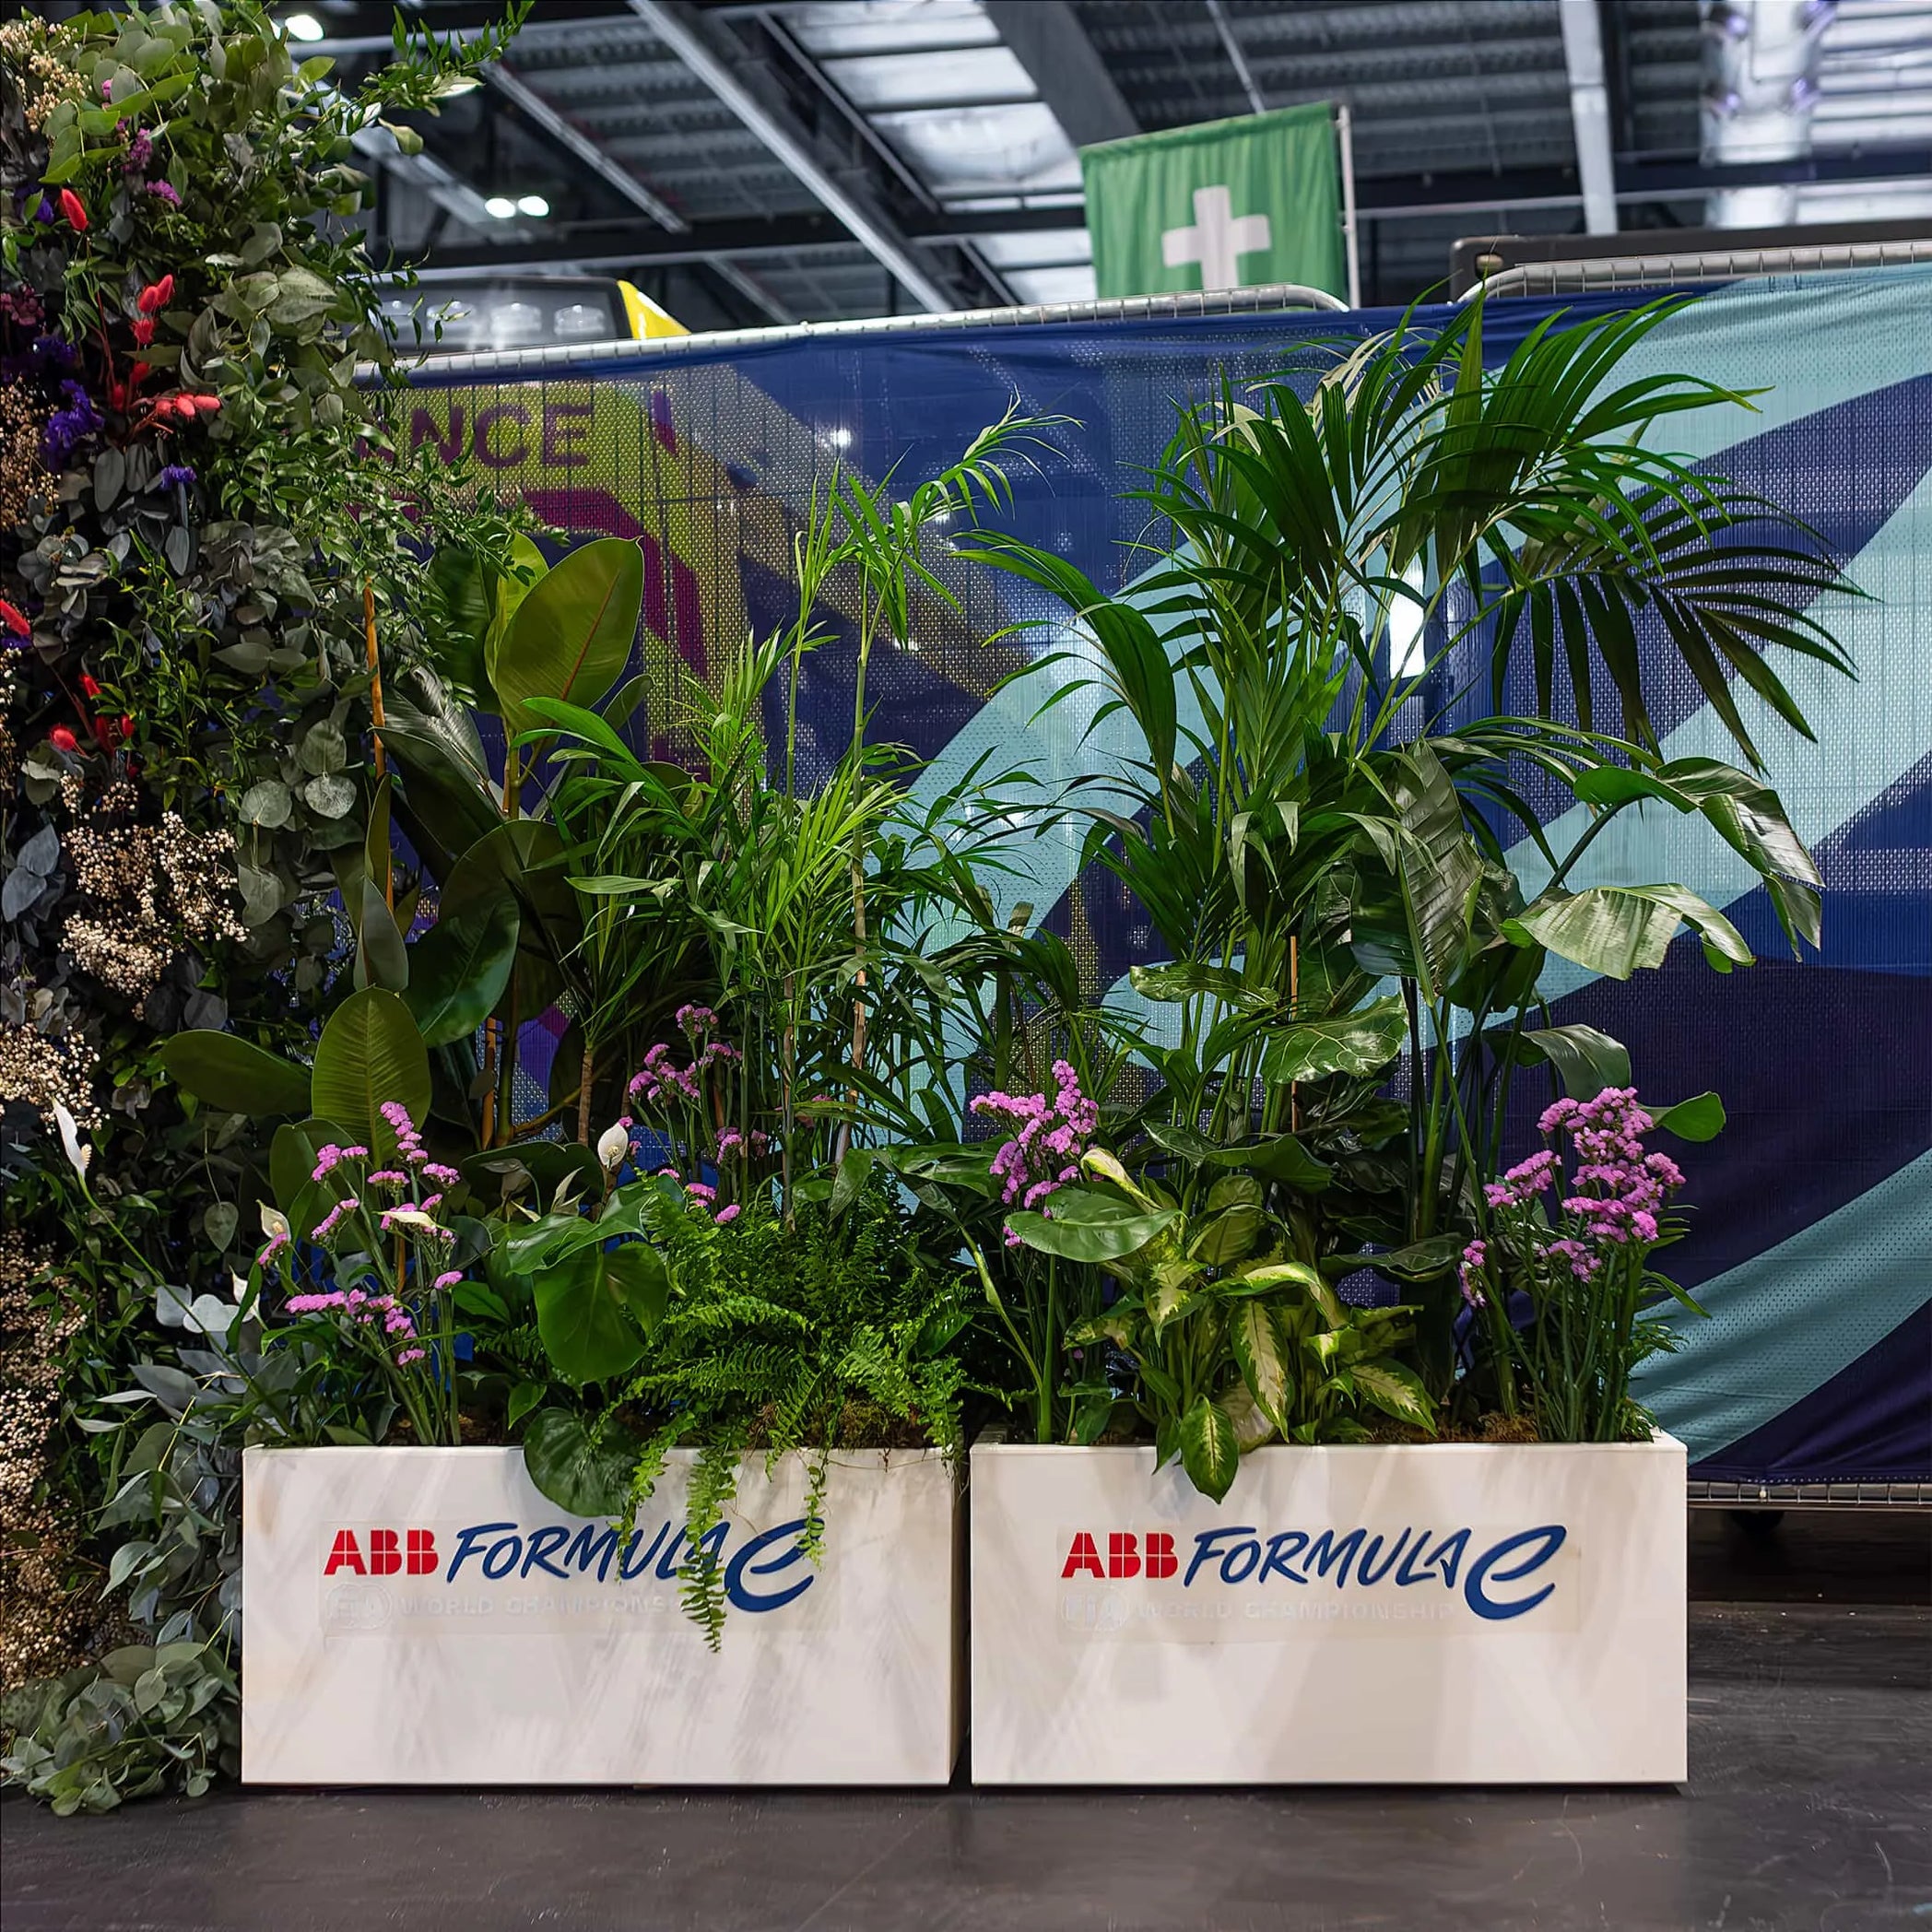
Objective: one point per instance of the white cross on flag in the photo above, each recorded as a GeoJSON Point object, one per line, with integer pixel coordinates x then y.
{"type": "Point", "coordinates": [1229, 204]}
{"type": "Point", "coordinates": [1218, 238]}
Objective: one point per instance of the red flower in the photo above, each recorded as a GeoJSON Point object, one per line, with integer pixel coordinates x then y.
{"type": "Point", "coordinates": [139, 374]}
{"type": "Point", "coordinates": [89, 685]}
{"type": "Point", "coordinates": [72, 208]}
{"type": "Point", "coordinates": [63, 740]}
{"type": "Point", "coordinates": [143, 326]}
{"type": "Point", "coordinates": [156, 296]}
{"type": "Point", "coordinates": [207, 405]}
{"type": "Point", "coordinates": [128, 725]}
{"type": "Point", "coordinates": [104, 734]}
{"type": "Point", "coordinates": [15, 620]}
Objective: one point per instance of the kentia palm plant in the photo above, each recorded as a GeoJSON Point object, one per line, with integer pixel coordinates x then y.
{"type": "Point", "coordinates": [1317, 833]}
{"type": "Point", "coordinates": [801, 911]}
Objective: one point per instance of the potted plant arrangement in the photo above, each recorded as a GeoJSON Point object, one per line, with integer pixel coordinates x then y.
{"type": "Point", "coordinates": [663, 1169]}
{"type": "Point", "coordinates": [1331, 1469]}
{"type": "Point", "coordinates": [690, 1381]}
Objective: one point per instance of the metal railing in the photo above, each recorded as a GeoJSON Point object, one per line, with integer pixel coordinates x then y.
{"type": "Point", "coordinates": [485, 364]}
{"type": "Point", "coordinates": [1665, 268]}
{"type": "Point", "coordinates": [1848, 1495]}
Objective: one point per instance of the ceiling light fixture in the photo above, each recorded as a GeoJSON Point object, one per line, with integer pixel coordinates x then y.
{"type": "Point", "coordinates": [302, 27]}
{"type": "Point", "coordinates": [501, 205]}
{"type": "Point", "coordinates": [532, 204]}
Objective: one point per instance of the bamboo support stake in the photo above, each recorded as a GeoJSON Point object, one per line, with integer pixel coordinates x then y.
{"type": "Point", "coordinates": [586, 1076]}
{"type": "Point", "coordinates": [375, 709]}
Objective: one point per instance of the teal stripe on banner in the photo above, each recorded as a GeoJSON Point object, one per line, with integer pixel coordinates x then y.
{"type": "Point", "coordinates": [1787, 1321]}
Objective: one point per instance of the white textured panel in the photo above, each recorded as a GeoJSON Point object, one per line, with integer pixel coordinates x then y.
{"type": "Point", "coordinates": [839, 1674]}
{"type": "Point", "coordinates": [1507, 1654]}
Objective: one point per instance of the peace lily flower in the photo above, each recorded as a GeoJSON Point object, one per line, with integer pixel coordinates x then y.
{"type": "Point", "coordinates": [410, 1217]}
{"type": "Point", "coordinates": [77, 1151]}
{"type": "Point", "coordinates": [614, 1146]}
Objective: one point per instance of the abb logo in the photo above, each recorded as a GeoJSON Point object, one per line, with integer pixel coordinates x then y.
{"type": "Point", "coordinates": [1151, 1554]}
{"type": "Point", "coordinates": [411, 1552]}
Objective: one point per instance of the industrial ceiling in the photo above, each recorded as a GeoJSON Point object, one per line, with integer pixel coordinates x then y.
{"type": "Point", "coordinates": [748, 161]}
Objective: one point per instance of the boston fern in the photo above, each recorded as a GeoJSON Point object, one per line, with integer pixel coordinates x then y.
{"type": "Point", "coordinates": [835, 1332]}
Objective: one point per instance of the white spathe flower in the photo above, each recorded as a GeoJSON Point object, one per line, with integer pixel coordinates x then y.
{"type": "Point", "coordinates": [275, 1223]}
{"type": "Point", "coordinates": [410, 1218]}
{"type": "Point", "coordinates": [77, 1151]}
{"type": "Point", "coordinates": [614, 1146]}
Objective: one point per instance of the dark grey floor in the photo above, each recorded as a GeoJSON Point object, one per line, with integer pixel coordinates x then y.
{"type": "Point", "coordinates": [1810, 1806]}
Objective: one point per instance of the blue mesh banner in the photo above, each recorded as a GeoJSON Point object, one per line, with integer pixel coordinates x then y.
{"type": "Point", "coordinates": [1813, 1221]}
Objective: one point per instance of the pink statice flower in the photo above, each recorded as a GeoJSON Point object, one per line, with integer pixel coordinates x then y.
{"type": "Point", "coordinates": [727, 1214]}
{"type": "Point", "coordinates": [1614, 1191]}
{"type": "Point", "coordinates": [1474, 1259]}
{"type": "Point", "coordinates": [1053, 1132]}
{"type": "Point", "coordinates": [334, 1219]}
{"type": "Point", "coordinates": [408, 1140]}
{"type": "Point", "coordinates": [328, 1159]}
{"type": "Point", "coordinates": [659, 1081]}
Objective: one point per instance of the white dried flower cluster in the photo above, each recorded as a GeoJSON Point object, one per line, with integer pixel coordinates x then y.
{"type": "Point", "coordinates": [44, 1072]}
{"type": "Point", "coordinates": [42, 1617]}
{"type": "Point", "coordinates": [154, 888]}
{"type": "Point", "coordinates": [32, 52]}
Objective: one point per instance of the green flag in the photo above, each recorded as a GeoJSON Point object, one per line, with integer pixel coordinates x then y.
{"type": "Point", "coordinates": [1228, 204]}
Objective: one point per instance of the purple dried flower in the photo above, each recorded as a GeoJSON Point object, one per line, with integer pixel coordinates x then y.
{"type": "Point", "coordinates": [177, 476]}
{"type": "Point", "coordinates": [164, 191]}
{"type": "Point", "coordinates": [68, 428]}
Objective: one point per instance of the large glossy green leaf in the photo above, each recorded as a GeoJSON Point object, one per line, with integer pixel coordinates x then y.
{"type": "Point", "coordinates": [597, 1306]}
{"type": "Point", "coordinates": [1615, 929]}
{"type": "Point", "coordinates": [584, 1466]}
{"type": "Point", "coordinates": [1109, 1236]}
{"type": "Point", "coordinates": [1257, 1348]}
{"type": "Point", "coordinates": [464, 582]}
{"type": "Point", "coordinates": [371, 1052]}
{"type": "Point", "coordinates": [1395, 1391]}
{"type": "Point", "coordinates": [460, 967]}
{"type": "Point", "coordinates": [524, 858]}
{"type": "Point", "coordinates": [1210, 1451]}
{"type": "Point", "coordinates": [1440, 868]}
{"type": "Point", "coordinates": [1360, 1044]}
{"type": "Point", "coordinates": [382, 958]}
{"type": "Point", "coordinates": [571, 634]}
{"type": "Point", "coordinates": [1425, 1260]}
{"type": "Point", "coordinates": [1226, 1232]}
{"type": "Point", "coordinates": [1586, 1061]}
{"type": "Point", "coordinates": [235, 1074]}
{"type": "Point", "coordinates": [1186, 979]}
{"type": "Point", "coordinates": [1700, 1117]}
{"type": "Point", "coordinates": [1280, 1157]}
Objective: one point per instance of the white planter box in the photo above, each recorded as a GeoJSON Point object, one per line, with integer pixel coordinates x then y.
{"type": "Point", "coordinates": [1443, 1614]}
{"type": "Point", "coordinates": [426, 1617]}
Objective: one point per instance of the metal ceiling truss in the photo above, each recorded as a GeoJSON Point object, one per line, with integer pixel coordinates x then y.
{"type": "Point", "coordinates": [613, 244]}
{"type": "Point", "coordinates": [740, 85]}
{"type": "Point", "coordinates": [807, 96]}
